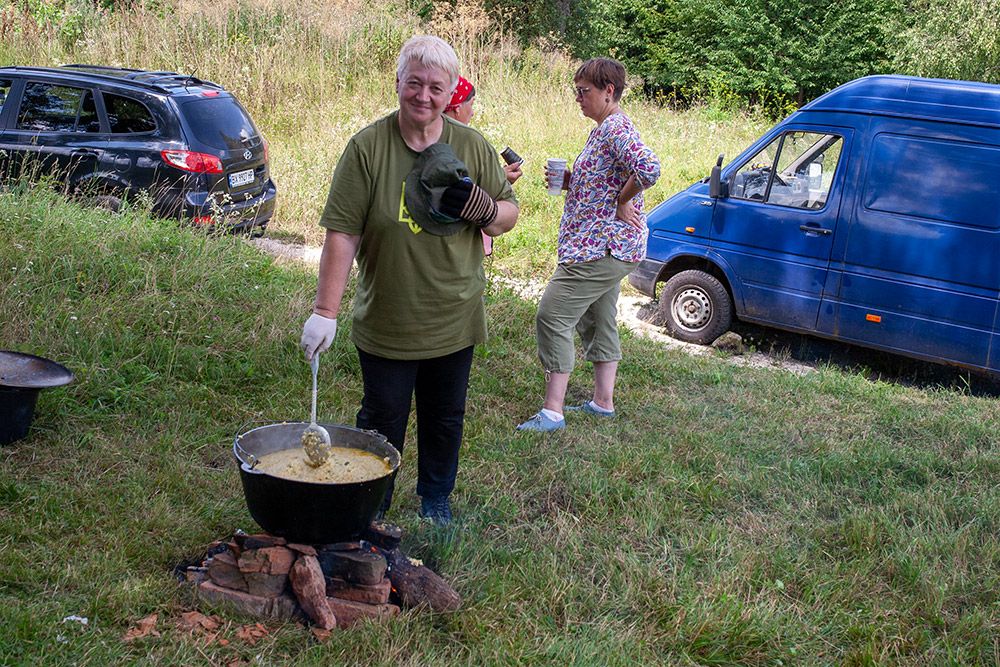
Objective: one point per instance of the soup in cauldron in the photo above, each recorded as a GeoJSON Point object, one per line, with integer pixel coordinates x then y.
{"type": "Point", "coordinates": [346, 465]}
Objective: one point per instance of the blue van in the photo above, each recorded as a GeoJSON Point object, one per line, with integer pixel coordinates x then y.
{"type": "Point", "coordinates": [870, 216]}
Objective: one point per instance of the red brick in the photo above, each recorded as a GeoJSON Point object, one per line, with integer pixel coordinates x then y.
{"type": "Point", "coordinates": [280, 559]}
{"type": "Point", "coordinates": [258, 541]}
{"type": "Point", "coordinates": [302, 548]}
{"type": "Point", "coordinates": [348, 612]}
{"type": "Point", "coordinates": [363, 567]}
{"type": "Point", "coordinates": [266, 585]}
{"type": "Point", "coordinates": [370, 594]}
{"type": "Point", "coordinates": [224, 570]}
{"type": "Point", "coordinates": [269, 560]}
{"type": "Point", "coordinates": [283, 607]}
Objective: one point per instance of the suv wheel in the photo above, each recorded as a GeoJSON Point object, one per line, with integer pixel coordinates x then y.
{"type": "Point", "coordinates": [695, 307]}
{"type": "Point", "coordinates": [107, 202]}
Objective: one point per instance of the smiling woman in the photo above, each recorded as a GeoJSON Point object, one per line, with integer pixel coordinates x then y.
{"type": "Point", "coordinates": [410, 198]}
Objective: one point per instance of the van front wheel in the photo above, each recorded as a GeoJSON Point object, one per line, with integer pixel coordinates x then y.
{"type": "Point", "coordinates": [695, 307]}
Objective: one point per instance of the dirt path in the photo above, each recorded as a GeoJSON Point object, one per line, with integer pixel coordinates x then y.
{"type": "Point", "coordinates": [633, 311]}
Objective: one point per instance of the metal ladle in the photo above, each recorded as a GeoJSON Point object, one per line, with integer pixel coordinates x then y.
{"type": "Point", "coordinates": [315, 439]}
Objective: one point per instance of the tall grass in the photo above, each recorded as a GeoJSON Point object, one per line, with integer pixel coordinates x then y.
{"type": "Point", "coordinates": [313, 73]}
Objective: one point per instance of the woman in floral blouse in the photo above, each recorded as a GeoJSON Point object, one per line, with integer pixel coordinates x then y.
{"type": "Point", "coordinates": [602, 237]}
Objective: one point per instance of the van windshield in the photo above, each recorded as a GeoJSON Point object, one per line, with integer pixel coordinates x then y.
{"type": "Point", "coordinates": [219, 122]}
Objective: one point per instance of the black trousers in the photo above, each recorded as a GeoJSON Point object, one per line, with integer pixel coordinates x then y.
{"type": "Point", "coordinates": [441, 385]}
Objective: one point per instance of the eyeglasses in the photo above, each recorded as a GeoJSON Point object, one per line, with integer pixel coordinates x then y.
{"type": "Point", "coordinates": [580, 92]}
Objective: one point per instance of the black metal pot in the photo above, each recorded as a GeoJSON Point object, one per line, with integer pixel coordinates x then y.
{"type": "Point", "coordinates": [22, 376]}
{"type": "Point", "coordinates": [310, 512]}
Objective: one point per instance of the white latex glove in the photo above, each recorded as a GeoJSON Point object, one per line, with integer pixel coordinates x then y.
{"type": "Point", "coordinates": [317, 335]}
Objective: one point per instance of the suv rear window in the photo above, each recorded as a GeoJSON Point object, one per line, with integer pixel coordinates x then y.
{"type": "Point", "coordinates": [49, 108]}
{"type": "Point", "coordinates": [219, 122]}
{"type": "Point", "coordinates": [4, 90]}
{"type": "Point", "coordinates": [127, 116]}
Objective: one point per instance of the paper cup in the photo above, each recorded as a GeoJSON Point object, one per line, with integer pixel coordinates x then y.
{"type": "Point", "coordinates": [556, 168]}
{"type": "Point", "coordinates": [509, 156]}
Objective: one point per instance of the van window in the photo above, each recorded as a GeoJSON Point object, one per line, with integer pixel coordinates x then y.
{"type": "Point", "coordinates": [796, 169]}
{"type": "Point", "coordinates": [961, 177]}
{"type": "Point", "coordinates": [49, 108]}
{"type": "Point", "coordinates": [127, 116]}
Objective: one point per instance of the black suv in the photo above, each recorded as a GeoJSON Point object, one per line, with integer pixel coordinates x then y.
{"type": "Point", "coordinates": [109, 133]}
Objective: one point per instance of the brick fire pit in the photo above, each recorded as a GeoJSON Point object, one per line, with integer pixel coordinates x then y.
{"type": "Point", "coordinates": [333, 585]}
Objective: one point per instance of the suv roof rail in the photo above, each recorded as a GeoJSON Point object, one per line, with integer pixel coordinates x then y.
{"type": "Point", "coordinates": [156, 79]}
{"type": "Point", "coordinates": [94, 71]}
{"type": "Point", "coordinates": [100, 67]}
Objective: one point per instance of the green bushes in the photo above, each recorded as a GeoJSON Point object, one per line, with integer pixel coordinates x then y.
{"type": "Point", "coordinates": [772, 54]}
{"type": "Point", "coordinates": [779, 54]}
{"type": "Point", "coordinates": [956, 39]}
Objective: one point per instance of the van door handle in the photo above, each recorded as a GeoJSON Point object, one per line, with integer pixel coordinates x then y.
{"type": "Point", "coordinates": [823, 231]}
{"type": "Point", "coordinates": [84, 152]}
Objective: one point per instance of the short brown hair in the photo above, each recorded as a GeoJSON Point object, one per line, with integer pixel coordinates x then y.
{"type": "Point", "coordinates": [601, 72]}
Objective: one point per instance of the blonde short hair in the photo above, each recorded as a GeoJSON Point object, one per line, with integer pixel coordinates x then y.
{"type": "Point", "coordinates": [428, 51]}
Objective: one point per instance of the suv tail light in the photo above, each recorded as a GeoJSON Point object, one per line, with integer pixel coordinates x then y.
{"type": "Point", "coordinates": [199, 163]}
{"type": "Point", "coordinates": [266, 154]}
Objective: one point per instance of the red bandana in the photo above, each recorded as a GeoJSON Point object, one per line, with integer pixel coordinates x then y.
{"type": "Point", "coordinates": [462, 92]}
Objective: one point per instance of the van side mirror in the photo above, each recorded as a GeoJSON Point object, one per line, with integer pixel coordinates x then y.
{"type": "Point", "coordinates": [716, 188]}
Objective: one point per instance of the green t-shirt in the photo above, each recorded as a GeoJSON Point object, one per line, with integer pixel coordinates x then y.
{"type": "Point", "coordinates": [419, 296]}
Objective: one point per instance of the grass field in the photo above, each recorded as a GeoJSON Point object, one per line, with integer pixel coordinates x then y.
{"type": "Point", "coordinates": [731, 516]}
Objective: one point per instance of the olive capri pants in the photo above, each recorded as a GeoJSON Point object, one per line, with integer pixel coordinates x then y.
{"type": "Point", "coordinates": [581, 296]}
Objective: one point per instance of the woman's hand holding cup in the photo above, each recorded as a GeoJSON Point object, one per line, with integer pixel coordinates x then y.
{"type": "Point", "coordinates": [556, 175]}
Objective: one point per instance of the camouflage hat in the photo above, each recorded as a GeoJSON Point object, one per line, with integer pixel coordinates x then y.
{"type": "Point", "coordinates": [435, 170]}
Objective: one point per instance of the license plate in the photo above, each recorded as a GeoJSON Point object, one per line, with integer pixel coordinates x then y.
{"type": "Point", "coordinates": [241, 178]}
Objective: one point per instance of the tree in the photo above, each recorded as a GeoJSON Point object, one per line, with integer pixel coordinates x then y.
{"type": "Point", "coordinates": [767, 52]}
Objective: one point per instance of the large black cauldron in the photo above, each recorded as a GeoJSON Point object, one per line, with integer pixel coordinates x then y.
{"type": "Point", "coordinates": [310, 512]}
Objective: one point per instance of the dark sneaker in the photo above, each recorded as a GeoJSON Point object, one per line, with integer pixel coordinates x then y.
{"type": "Point", "coordinates": [436, 509]}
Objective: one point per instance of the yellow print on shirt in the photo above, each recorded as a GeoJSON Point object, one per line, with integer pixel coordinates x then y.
{"type": "Point", "coordinates": [404, 213]}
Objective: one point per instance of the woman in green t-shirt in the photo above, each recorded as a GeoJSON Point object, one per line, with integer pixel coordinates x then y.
{"type": "Point", "coordinates": [418, 308]}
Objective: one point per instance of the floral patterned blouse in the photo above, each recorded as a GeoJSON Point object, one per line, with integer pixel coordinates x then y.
{"type": "Point", "coordinates": [589, 229]}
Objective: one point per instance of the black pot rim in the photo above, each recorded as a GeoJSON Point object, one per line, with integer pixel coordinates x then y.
{"type": "Point", "coordinates": [20, 370]}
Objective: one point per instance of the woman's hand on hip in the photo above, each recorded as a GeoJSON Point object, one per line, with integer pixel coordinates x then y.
{"type": "Point", "coordinates": [630, 214]}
